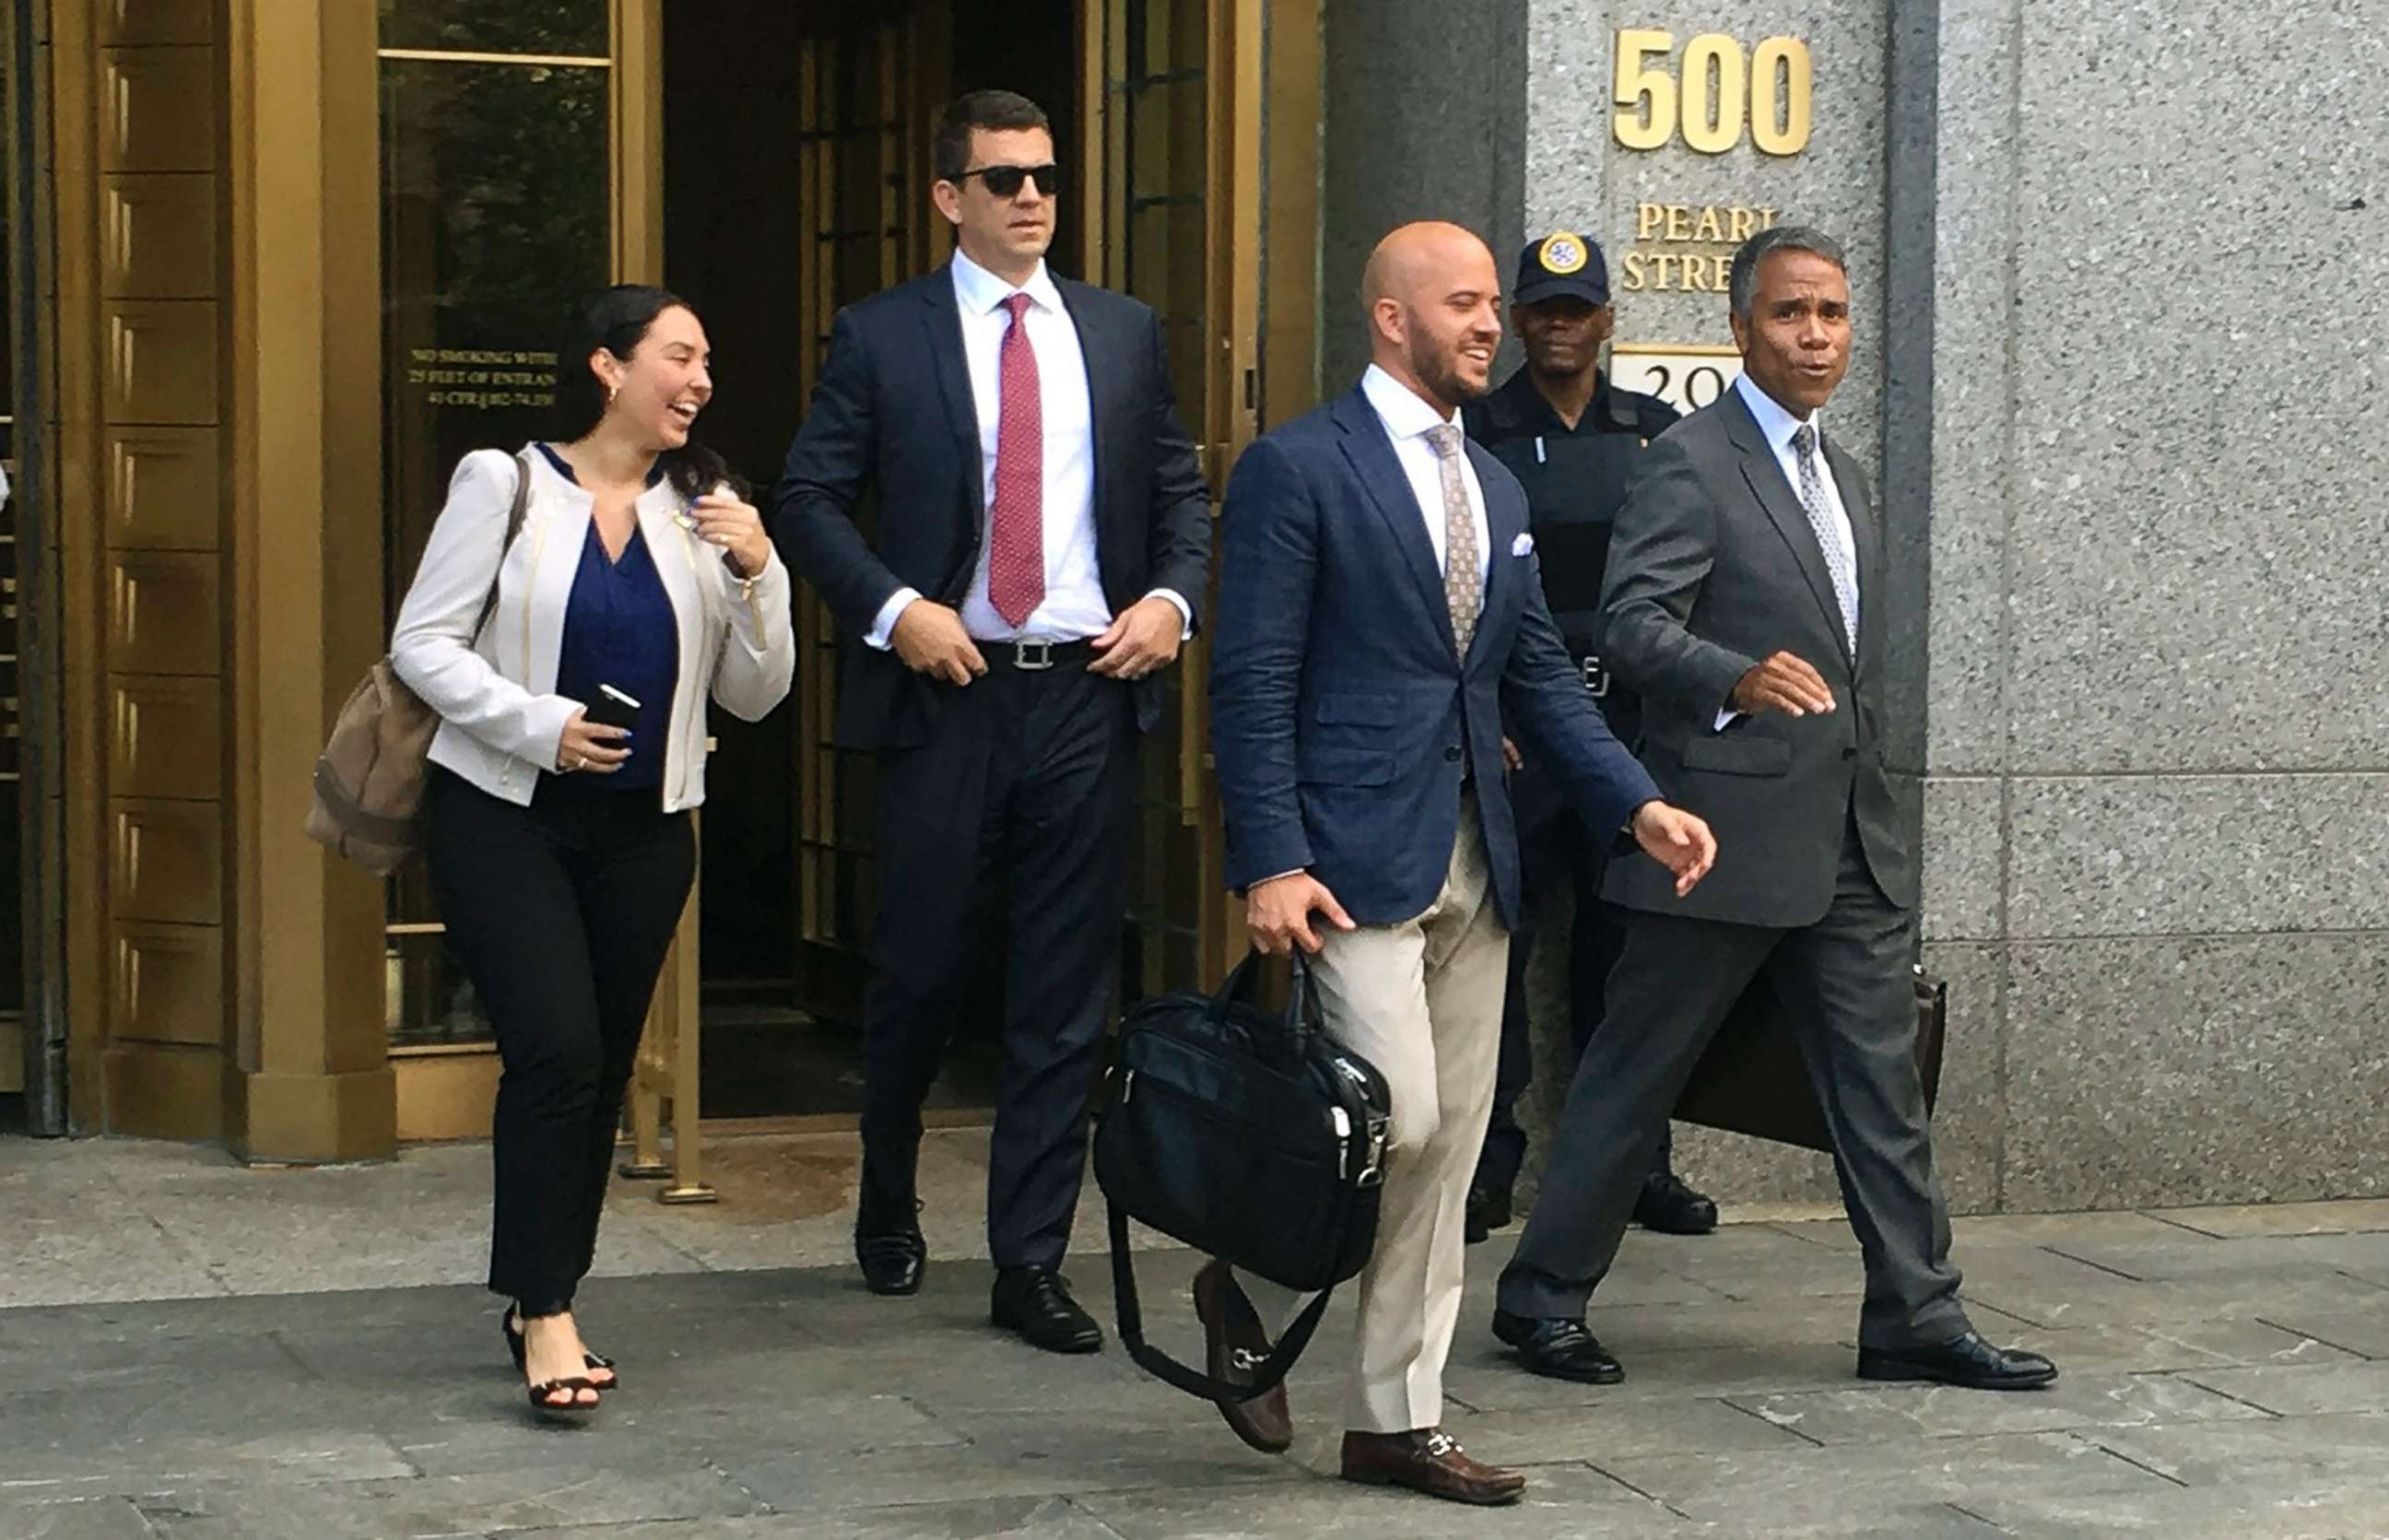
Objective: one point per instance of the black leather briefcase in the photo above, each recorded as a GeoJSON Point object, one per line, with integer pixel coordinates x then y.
{"type": "Point", "coordinates": [1249, 1136]}
{"type": "Point", "coordinates": [1752, 1079]}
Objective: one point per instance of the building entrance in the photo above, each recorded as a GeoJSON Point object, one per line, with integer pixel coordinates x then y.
{"type": "Point", "coordinates": [796, 180]}
{"type": "Point", "coordinates": [268, 283]}
{"type": "Point", "coordinates": [771, 163]}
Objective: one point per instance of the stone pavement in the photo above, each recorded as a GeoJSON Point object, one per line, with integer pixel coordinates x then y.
{"type": "Point", "coordinates": [197, 1351]}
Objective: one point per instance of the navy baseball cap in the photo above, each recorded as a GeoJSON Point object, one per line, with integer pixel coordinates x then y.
{"type": "Point", "coordinates": [1563, 264]}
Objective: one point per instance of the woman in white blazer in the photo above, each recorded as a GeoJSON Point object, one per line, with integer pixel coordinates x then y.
{"type": "Point", "coordinates": [571, 747]}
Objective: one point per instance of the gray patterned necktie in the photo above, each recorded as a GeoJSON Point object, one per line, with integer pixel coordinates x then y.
{"type": "Point", "coordinates": [1820, 509]}
{"type": "Point", "coordinates": [1463, 587]}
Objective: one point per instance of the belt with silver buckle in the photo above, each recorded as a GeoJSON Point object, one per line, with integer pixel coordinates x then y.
{"type": "Point", "coordinates": [1595, 677]}
{"type": "Point", "coordinates": [1033, 655]}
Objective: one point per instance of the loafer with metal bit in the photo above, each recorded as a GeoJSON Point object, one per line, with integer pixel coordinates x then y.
{"type": "Point", "coordinates": [1235, 1341]}
{"type": "Point", "coordinates": [1428, 1460]}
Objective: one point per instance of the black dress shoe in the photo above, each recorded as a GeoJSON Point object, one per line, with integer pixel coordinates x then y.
{"type": "Point", "coordinates": [1966, 1361]}
{"type": "Point", "coordinates": [1666, 1205]}
{"type": "Point", "coordinates": [1558, 1347]}
{"type": "Point", "coordinates": [1489, 1210]}
{"type": "Point", "coordinates": [892, 1260]}
{"type": "Point", "coordinates": [1036, 1302]}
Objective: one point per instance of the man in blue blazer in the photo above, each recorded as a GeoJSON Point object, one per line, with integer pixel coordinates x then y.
{"type": "Point", "coordinates": [1378, 591]}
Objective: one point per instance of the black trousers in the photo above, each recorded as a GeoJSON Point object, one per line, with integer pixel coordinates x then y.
{"type": "Point", "coordinates": [1556, 850]}
{"type": "Point", "coordinates": [1027, 788]}
{"type": "Point", "coordinates": [561, 914]}
{"type": "Point", "coordinates": [1845, 983]}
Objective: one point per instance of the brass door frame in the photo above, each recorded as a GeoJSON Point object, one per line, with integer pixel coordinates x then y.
{"type": "Point", "coordinates": [33, 1043]}
{"type": "Point", "coordinates": [74, 147]}
{"type": "Point", "coordinates": [1261, 69]}
{"type": "Point", "coordinates": [1233, 399]}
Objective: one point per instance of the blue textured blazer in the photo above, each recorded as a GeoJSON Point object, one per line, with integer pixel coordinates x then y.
{"type": "Point", "coordinates": [1342, 723]}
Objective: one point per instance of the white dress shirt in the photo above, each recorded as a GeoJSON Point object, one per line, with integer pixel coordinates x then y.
{"type": "Point", "coordinates": [1409, 419]}
{"type": "Point", "coordinates": [1074, 606]}
{"type": "Point", "coordinates": [1777, 425]}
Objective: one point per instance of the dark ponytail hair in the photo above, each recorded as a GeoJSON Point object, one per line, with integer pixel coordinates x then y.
{"type": "Point", "coordinates": [617, 320]}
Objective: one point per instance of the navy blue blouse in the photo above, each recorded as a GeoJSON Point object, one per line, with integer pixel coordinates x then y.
{"type": "Point", "coordinates": [619, 629]}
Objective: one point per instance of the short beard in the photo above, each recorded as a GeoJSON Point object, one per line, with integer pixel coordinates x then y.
{"type": "Point", "coordinates": [1436, 371]}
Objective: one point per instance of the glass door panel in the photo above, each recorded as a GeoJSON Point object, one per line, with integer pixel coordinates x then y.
{"type": "Point", "coordinates": [868, 97]}
{"type": "Point", "coordinates": [497, 196]}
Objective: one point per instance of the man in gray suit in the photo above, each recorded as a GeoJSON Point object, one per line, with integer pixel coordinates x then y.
{"type": "Point", "coordinates": [1748, 557]}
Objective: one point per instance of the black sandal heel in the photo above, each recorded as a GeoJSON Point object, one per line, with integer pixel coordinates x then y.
{"type": "Point", "coordinates": [515, 1345]}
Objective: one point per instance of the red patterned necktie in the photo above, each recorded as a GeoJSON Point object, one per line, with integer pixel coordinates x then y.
{"type": "Point", "coordinates": [1015, 535]}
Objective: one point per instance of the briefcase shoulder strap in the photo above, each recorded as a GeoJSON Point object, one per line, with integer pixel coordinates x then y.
{"type": "Point", "coordinates": [1267, 1375]}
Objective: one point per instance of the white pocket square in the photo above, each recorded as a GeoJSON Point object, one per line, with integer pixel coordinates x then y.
{"type": "Point", "coordinates": [1522, 546]}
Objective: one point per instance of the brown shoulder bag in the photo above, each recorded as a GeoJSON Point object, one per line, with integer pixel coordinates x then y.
{"type": "Point", "coordinates": [369, 779]}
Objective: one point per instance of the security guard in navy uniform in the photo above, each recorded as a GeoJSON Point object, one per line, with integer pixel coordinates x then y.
{"type": "Point", "coordinates": [1571, 438]}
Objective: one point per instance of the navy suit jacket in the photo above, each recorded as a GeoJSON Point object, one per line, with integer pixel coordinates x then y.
{"type": "Point", "coordinates": [1341, 719]}
{"type": "Point", "coordinates": [894, 411]}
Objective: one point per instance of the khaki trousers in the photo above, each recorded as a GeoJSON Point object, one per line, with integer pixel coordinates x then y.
{"type": "Point", "coordinates": [1422, 1000]}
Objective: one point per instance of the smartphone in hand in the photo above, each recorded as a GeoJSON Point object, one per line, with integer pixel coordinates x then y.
{"type": "Point", "coordinates": [612, 708]}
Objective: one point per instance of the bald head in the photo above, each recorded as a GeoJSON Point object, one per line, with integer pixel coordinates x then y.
{"type": "Point", "coordinates": [1415, 257]}
{"type": "Point", "coordinates": [1434, 299]}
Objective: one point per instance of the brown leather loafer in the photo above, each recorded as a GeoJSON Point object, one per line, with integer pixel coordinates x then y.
{"type": "Point", "coordinates": [1232, 1334]}
{"type": "Point", "coordinates": [1428, 1460]}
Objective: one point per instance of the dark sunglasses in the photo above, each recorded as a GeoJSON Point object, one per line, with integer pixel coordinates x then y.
{"type": "Point", "coordinates": [1004, 180]}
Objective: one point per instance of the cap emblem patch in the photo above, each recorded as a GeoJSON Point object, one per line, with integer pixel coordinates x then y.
{"type": "Point", "coordinates": [1562, 254]}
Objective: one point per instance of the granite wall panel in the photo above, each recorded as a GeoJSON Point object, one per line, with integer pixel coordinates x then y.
{"type": "Point", "coordinates": [2195, 1070]}
{"type": "Point", "coordinates": [2197, 854]}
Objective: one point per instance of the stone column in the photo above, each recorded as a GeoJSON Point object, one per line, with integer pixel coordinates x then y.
{"type": "Point", "coordinates": [2156, 829]}
{"type": "Point", "coordinates": [1425, 120]}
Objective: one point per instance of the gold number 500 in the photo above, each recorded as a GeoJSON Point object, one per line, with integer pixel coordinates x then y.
{"type": "Point", "coordinates": [1771, 88]}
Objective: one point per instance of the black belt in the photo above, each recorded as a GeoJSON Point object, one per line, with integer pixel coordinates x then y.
{"type": "Point", "coordinates": [1034, 657]}
{"type": "Point", "coordinates": [1588, 669]}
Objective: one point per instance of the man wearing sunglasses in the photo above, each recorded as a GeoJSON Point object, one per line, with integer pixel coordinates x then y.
{"type": "Point", "coordinates": [1044, 535]}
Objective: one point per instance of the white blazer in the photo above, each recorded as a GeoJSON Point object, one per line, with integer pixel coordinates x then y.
{"type": "Point", "coordinates": [499, 716]}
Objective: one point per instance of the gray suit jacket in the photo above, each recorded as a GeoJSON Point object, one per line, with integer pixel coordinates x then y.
{"type": "Point", "coordinates": [1712, 568]}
